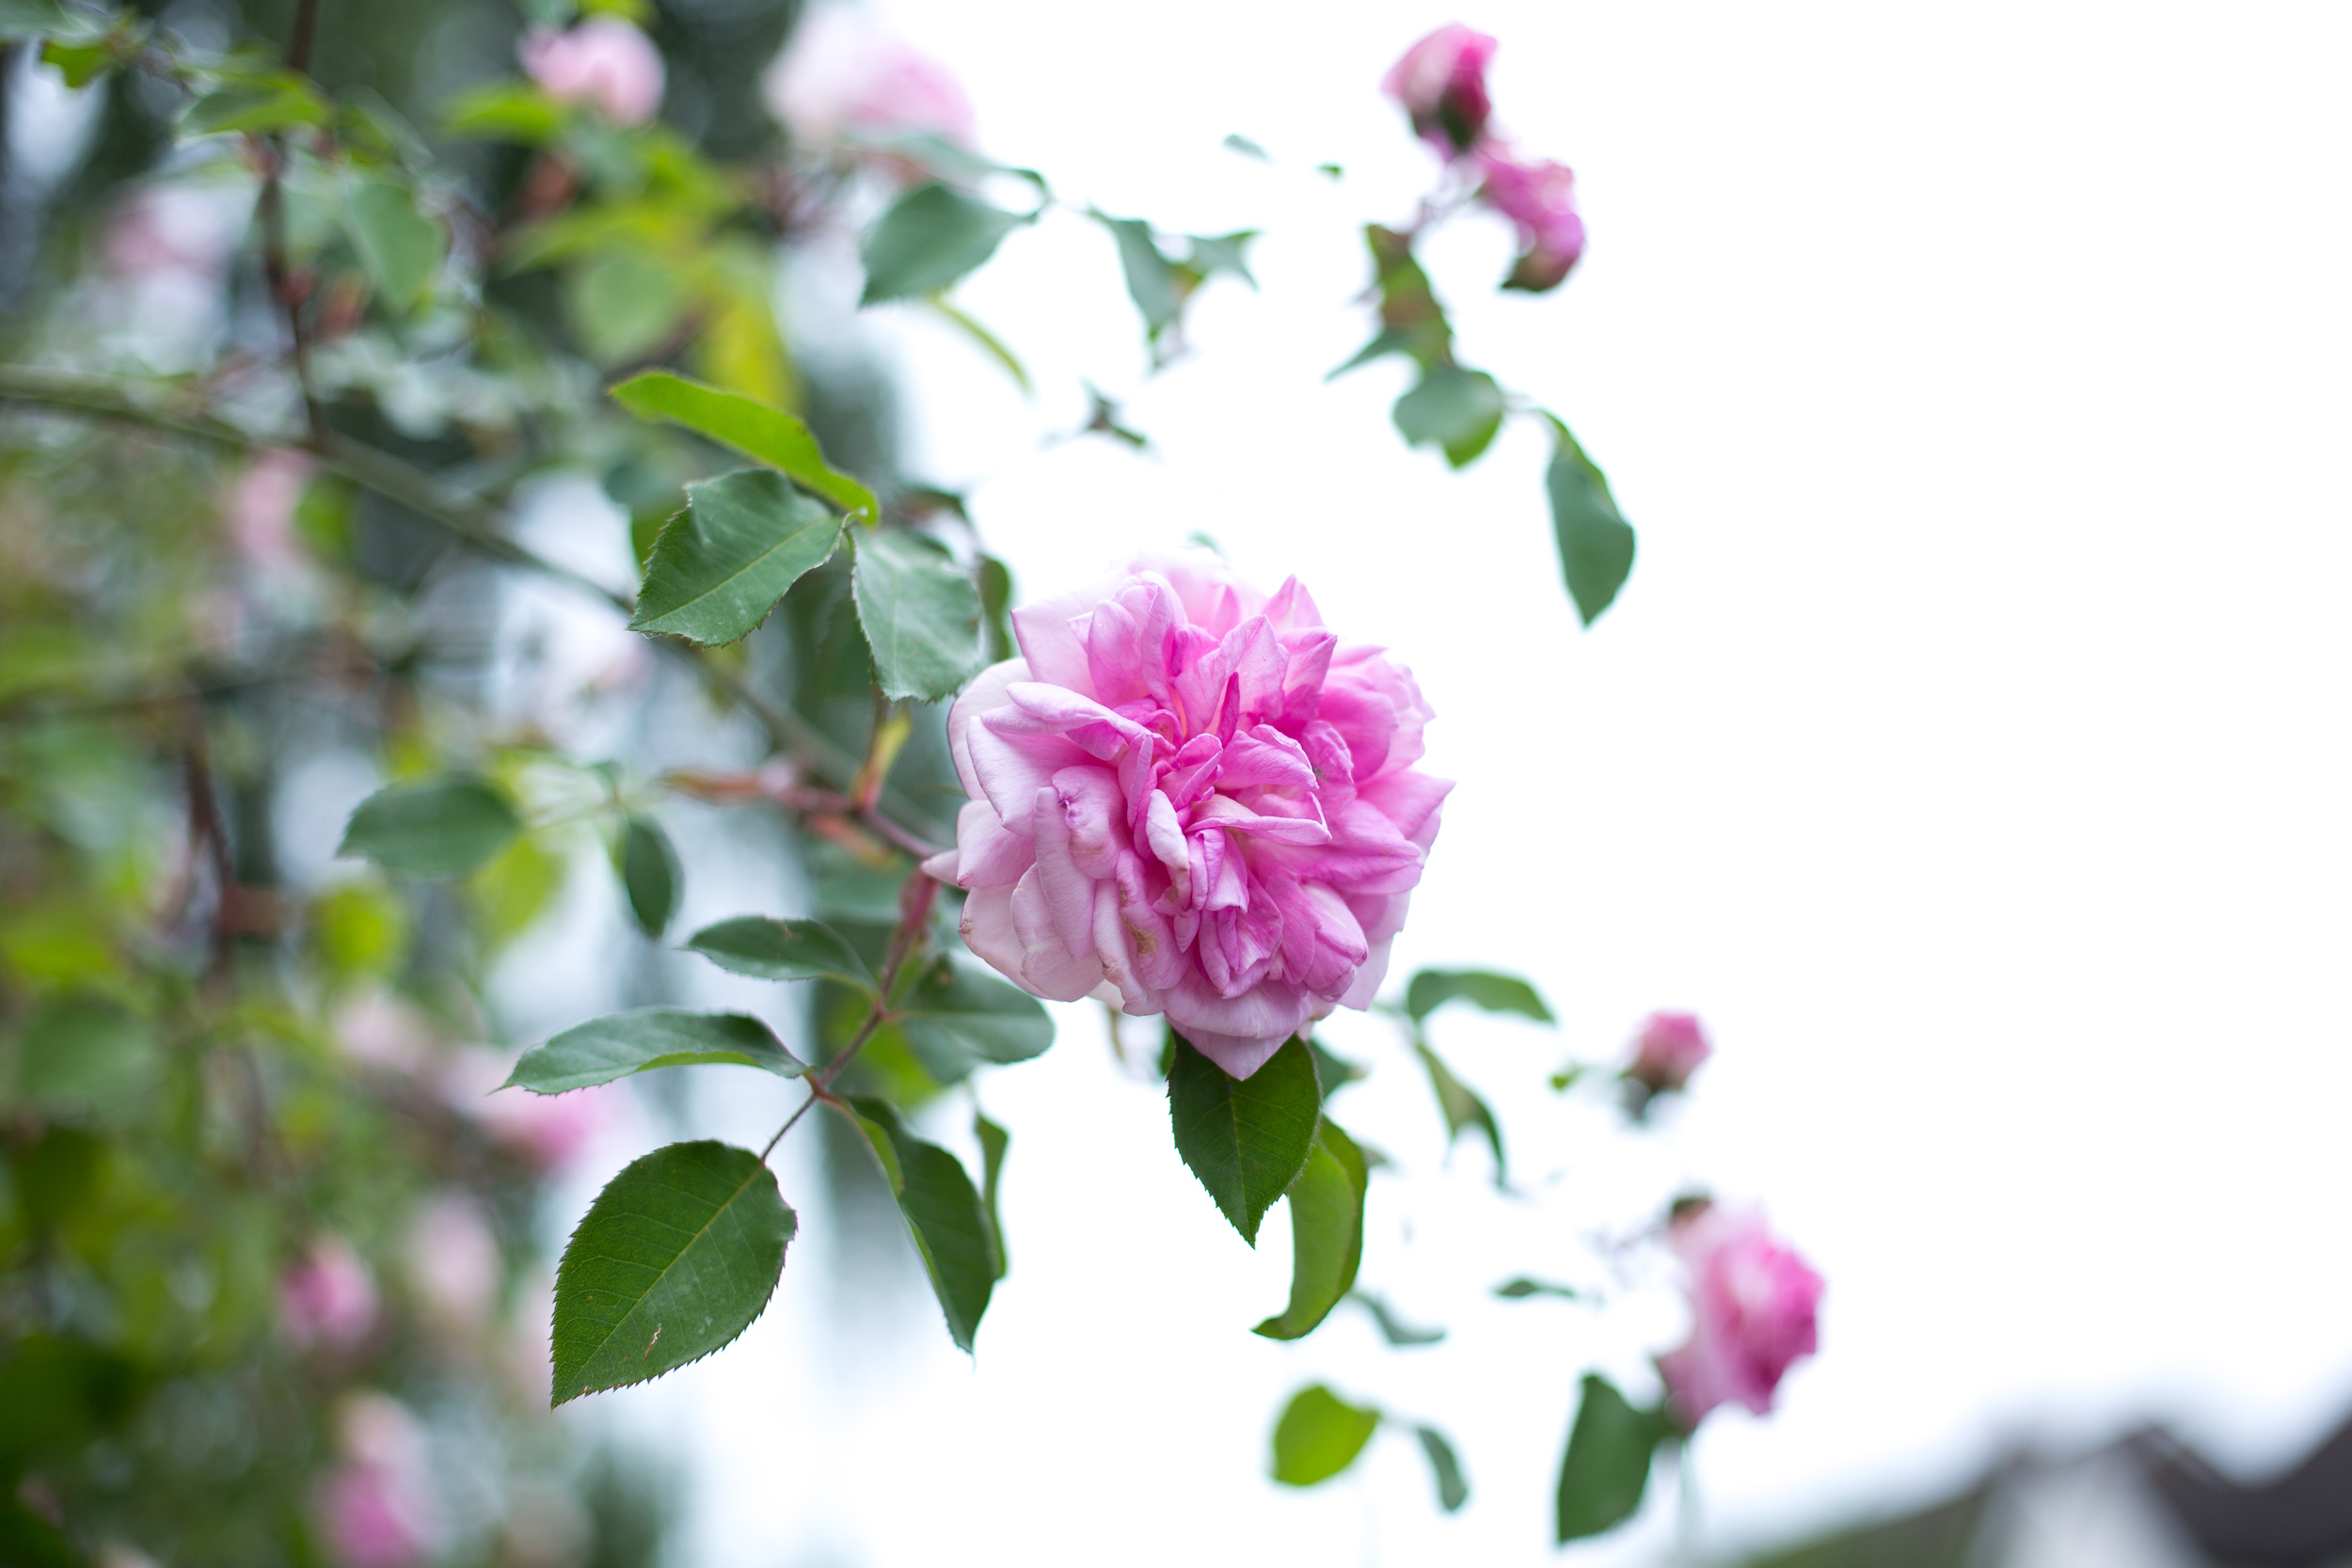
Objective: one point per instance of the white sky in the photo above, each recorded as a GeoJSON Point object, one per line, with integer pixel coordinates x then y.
{"type": "Point", "coordinates": [1968, 747]}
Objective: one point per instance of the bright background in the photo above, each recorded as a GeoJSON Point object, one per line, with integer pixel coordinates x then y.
{"type": "Point", "coordinates": [1968, 747]}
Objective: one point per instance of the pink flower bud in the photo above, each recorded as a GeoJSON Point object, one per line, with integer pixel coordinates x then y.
{"type": "Point", "coordinates": [1540, 199]}
{"type": "Point", "coordinates": [1669, 1049]}
{"type": "Point", "coordinates": [844, 76]}
{"type": "Point", "coordinates": [603, 61]}
{"type": "Point", "coordinates": [1442, 82]}
{"type": "Point", "coordinates": [1752, 1306]}
{"type": "Point", "coordinates": [1189, 797]}
{"type": "Point", "coordinates": [327, 1299]}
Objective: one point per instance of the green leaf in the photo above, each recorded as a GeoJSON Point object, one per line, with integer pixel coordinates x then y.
{"type": "Point", "coordinates": [921, 616]}
{"type": "Point", "coordinates": [434, 828]}
{"type": "Point", "coordinates": [721, 565]}
{"type": "Point", "coordinates": [751, 427]}
{"type": "Point", "coordinates": [1432, 989]}
{"type": "Point", "coordinates": [80, 64]}
{"type": "Point", "coordinates": [1595, 541]}
{"type": "Point", "coordinates": [1333, 1073]}
{"type": "Point", "coordinates": [625, 306]}
{"type": "Point", "coordinates": [1461, 1107]}
{"type": "Point", "coordinates": [86, 1058]}
{"type": "Point", "coordinates": [1318, 1436]}
{"type": "Point", "coordinates": [1411, 320]}
{"type": "Point", "coordinates": [1444, 1469]}
{"type": "Point", "coordinates": [1521, 1287]}
{"type": "Point", "coordinates": [931, 237]}
{"type": "Point", "coordinates": [1452, 409]}
{"type": "Point", "coordinates": [400, 247]}
{"type": "Point", "coordinates": [1247, 1140]}
{"type": "Point", "coordinates": [261, 104]}
{"type": "Point", "coordinates": [1395, 1330]}
{"type": "Point", "coordinates": [1216, 253]}
{"type": "Point", "coordinates": [769, 949]}
{"type": "Point", "coordinates": [994, 1141]}
{"type": "Point", "coordinates": [505, 111]}
{"type": "Point", "coordinates": [1607, 1465]}
{"type": "Point", "coordinates": [614, 1046]}
{"type": "Point", "coordinates": [1247, 147]}
{"type": "Point", "coordinates": [1327, 1234]}
{"type": "Point", "coordinates": [24, 19]}
{"type": "Point", "coordinates": [960, 1005]}
{"type": "Point", "coordinates": [1151, 281]}
{"type": "Point", "coordinates": [944, 1214]}
{"type": "Point", "coordinates": [649, 874]}
{"type": "Point", "coordinates": [678, 1255]}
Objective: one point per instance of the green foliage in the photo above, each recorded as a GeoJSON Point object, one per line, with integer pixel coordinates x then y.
{"type": "Point", "coordinates": [1454, 409]}
{"type": "Point", "coordinates": [1161, 286]}
{"type": "Point", "coordinates": [1327, 1204]}
{"type": "Point", "coordinates": [921, 616]}
{"type": "Point", "coordinates": [721, 565]}
{"type": "Point", "coordinates": [603, 1049]}
{"type": "Point", "coordinates": [401, 247]}
{"type": "Point", "coordinates": [1318, 1436]}
{"type": "Point", "coordinates": [1445, 1469]}
{"type": "Point", "coordinates": [1460, 1106]}
{"type": "Point", "coordinates": [650, 874]}
{"type": "Point", "coordinates": [28, 19]}
{"type": "Point", "coordinates": [676, 1256]}
{"type": "Point", "coordinates": [769, 949]}
{"type": "Point", "coordinates": [928, 239]}
{"type": "Point", "coordinates": [944, 1215]}
{"type": "Point", "coordinates": [261, 104]}
{"type": "Point", "coordinates": [1395, 1330]}
{"type": "Point", "coordinates": [1412, 323]}
{"type": "Point", "coordinates": [432, 828]}
{"type": "Point", "coordinates": [624, 305]}
{"type": "Point", "coordinates": [994, 1143]}
{"type": "Point", "coordinates": [1432, 989]}
{"type": "Point", "coordinates": [769, 435]}
{"type": "Point", "coordinates": [1522, 1287]}
{"type": "Point", "coordinates": [84, 1058]}
{"type": "Point", "coordinates": [1245, 1139]}
{"type": "Point", "coordinates": [1596, 541]}
{"type": "Point", "coordinates": [959, 1007]}
{"type": "Point", "coordinates": [1607, 1465]}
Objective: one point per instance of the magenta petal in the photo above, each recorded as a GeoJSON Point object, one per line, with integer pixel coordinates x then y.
{"type": "Point", "coordinates": [1069, 891]}
{"type": "Point", "coordinates": [1047, 966]}
{"type": "Point", "coordinates": [986, 855]}
{"type": "Point", "coordinates": [1011, 768]}
{"type": "Point", "coordinates": [986, 691]}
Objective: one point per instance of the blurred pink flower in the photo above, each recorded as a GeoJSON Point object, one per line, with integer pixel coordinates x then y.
{"type": "Point", "coordinates": [375, 1508]}
{"type": "Point", "coordinates": [380, 1030]}
{"type": "Point", "coordinates": [454, 1262]}
{"type": "Point", "coordinates": [1442, 82]}
{"type": "Point", "coordinates": [547, 1131]}
{"type": "Point", "coordinates": [163, 229]}
{"type": "Point", "coordinates": [1753, 1305]}
{"type": "Point", "coordinates": [604, 61]}
{"type": "Point", "coordinates": [843, 76]}
{"type": "Point", "coordinates": [1189, 798]}
{"type": "Point", "coordinates": [261, 511]}
{"type": "Point", "coordinates": [328, 1298]}
{"type": "Point", "coordinates": [1540, 199]}
{"type": "Point", "coordinates": [1669, 1049]}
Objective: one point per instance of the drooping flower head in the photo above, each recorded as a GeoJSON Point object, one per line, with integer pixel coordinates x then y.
{"type": "Point", "coordinates": [844, 76]}
{"type": "Point", "coordinates": [1442, 82]}
{"type": "Point", "coordinates": [604, 61]}
{"type": "Point", "coordinates": [1752, 1308]}
{"type": "Point", "coordinates": [1540, 199]}
{"type": "Point", "coordinates": [1189, 798]}
{"type": "Point", "coordinates": [1670, 1048]}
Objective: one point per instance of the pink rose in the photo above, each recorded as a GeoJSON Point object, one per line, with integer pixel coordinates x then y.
{"type": "Point", "coordinates": [1752, 1302]}
{"type": "Point", "coordinates": [1189, 798]}
{"type": "Point", "coordinates": [375, 1508]}
{"type": "Point", "coordinates": [328, 1298]}
{"type": "Point", "coordinates": [604, 61]}
{"type": "Point", "coordinates": [1540, 199]}
{"type": "Point", "coordinates": [1669, 1049]}
{"type": "Point", "coordinates": [1441, 81]}
{"type": "Point", "coordinates": [845, 76]}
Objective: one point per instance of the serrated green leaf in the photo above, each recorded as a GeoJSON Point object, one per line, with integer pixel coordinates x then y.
{"type": "Point", "coordinates": [1432, 989]}
{"type": "Point", "coordinates": [650, 874]}
{"type": "Point", "coordinates": [400, 247]}
{"type": "Point", "coordinates": [1452, 409]}
{"type": "Point", "coordinates": [1327, 1204]}
{"type": "Point", "coordinates": [1444, 1469]}
{"type": "Point", "coordinates": [435, 828]}
{"type": "Point", "coordinates": [921, 616]}
{"type": "Point", "coordinates": [1318, 1436]}
{"type": "Point", "coordinates": [1461, 1107]}
{"type": "Point", "coordinates": [678, 1255]}
{"type": "Point", "coordinates": [995, 1142]}
{"type": "Point", "coordinates": [721, 565]}
{"type": "Point", "coordinates": [928, 239]}
{"type": "Point", "coordinates": [1607, 1465]}
{"type": "Point", "coordinates": [1247, 1140]}
{"type": "Point", "coordinates": [1395, 1330]}
{"type": "Point", "coordinates": [771, 435]}
{"type": "Point", "coordinates": [769, 949]}
{"type": "Point", "coordinates": [619, 1044]}
{"type": "Point", "coordinates": [944, 1214]}
{"type": "Point", "coordinates": [961, 1007]}
{"type": "Point", "coordinates": [1596, 541]}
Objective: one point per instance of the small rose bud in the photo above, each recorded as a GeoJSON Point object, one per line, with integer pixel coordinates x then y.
{"type": "Point", "coordinates": [1753, 1313]}
{"type": "Point", "coordinates": [1442, 82]}
{"type": "Point", "coordinates": [1669, 1049]}
{"type": "Point", "coordinates": [1540, 199]}
{"type": "Point", "coordinates": [604, 61]}
{"type": "Point", "coordinates": [844, 77]}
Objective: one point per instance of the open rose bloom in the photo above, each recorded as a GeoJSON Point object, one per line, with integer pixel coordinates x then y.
{"type": "Point", "coordinates": [1442, 82]}
{"type": "Point", "coordinates": [1189, 799]}
{"type": "Point", "coordinates": [1753, 1307]}
{"type": "Point", "coordinates": [603, 61]}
